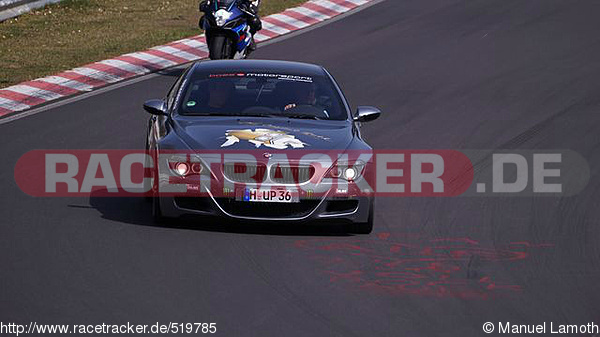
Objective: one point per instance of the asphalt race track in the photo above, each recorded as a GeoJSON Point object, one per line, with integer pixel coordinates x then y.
{"type": "Point", "coordinates": [448, 74]}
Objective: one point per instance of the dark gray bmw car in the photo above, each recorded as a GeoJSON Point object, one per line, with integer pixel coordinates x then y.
{"type": "Point", "coordinates": [258, 112]}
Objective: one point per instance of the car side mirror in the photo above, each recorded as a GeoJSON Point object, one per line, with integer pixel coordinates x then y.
{"type": "Point", "coordinates": [156, 107]}
{"type": "Point", "coordinates": [366, 114]}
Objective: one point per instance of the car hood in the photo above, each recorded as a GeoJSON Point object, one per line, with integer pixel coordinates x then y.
{"type": "Point", "coordinates": [213, 133]}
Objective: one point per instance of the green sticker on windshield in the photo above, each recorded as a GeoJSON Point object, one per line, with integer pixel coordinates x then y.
{"type": "Point", "coordinates": [191, 103]}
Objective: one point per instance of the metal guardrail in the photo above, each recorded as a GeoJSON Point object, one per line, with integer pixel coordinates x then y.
{"type": "Point", "coordinates": [13, 8]}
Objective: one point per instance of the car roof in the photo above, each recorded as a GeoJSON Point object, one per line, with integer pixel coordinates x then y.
{"type": "Point", "coordinates": [268, 66]}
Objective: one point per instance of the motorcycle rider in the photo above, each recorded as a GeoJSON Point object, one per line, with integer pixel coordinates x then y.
{"type": "Point", "coordinates": [250, 7]}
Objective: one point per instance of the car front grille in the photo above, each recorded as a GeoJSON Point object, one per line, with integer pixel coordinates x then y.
{"type": "Point", "coordinates": [291, 174]}
{"type": "Point", "coordinates": [278, 174]}
{"type": "Point", "coordinates": [245, 173]}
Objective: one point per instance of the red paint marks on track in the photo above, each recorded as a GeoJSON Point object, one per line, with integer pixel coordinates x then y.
{"type": "Point", "coordinates": [409, 265]}
{"type": "Point", "coordinates": [383, 236]}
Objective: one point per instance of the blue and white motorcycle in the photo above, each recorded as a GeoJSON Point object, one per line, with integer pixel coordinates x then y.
{"type": "Point", "coordinates": [226, 27]}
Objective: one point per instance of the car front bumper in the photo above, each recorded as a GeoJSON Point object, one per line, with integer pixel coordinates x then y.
{"type": "Point", "coordinates": [353, 209]}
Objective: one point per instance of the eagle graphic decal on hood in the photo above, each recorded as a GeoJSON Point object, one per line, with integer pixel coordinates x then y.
{"type": "Point", "coordinates": [275, 139]}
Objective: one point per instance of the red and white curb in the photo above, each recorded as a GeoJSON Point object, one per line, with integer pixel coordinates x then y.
{"type": "Point", "coordinates": [29, 94]}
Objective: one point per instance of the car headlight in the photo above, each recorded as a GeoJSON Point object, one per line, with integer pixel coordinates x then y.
{"type": "Point", "coordinates": [221, 17]}
{"type": "Point", "coordinates": [350, 173]}
{"type": "Point", "coordinates": [183, 166]}
{"type": "Point", "coordinates": [347, 171]}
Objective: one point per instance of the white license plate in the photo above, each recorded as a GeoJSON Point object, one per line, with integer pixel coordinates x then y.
{"type": "Point", "coordinates": [270, 195]}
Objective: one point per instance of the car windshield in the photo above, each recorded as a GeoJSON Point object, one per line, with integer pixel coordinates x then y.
{"type": "Point", "coordinates": [261, 94]}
